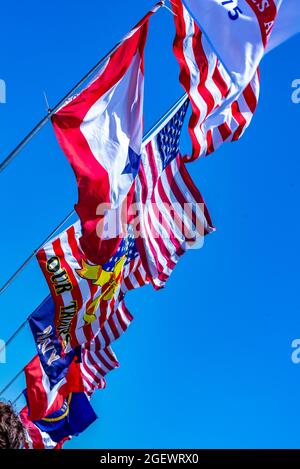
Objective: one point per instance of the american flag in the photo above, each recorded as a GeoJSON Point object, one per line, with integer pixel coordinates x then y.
{"type": "Point", "coordinates": [97, 357]}
{"type": "Point", "coordinates": [172, 214]}
{"type": "Point", "coordinates": [220, 110]}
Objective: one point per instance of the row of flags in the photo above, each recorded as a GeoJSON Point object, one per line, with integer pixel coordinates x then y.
{"type": "Point", "coordinates": [139, 209]}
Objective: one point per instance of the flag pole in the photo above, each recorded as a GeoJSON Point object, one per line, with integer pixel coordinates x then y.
{"type": "Point", "coordinates": [17, 398]}
{"type": "Point", "coordinates": [11, 382]}
{"type": "Point", "coordinates": [53, 110]}
{"type": "Point", "coordinates": [12, 337]}
{"type": "Point", "coordinates": [33, 254]}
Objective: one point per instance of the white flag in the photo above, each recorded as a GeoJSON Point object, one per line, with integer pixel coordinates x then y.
{"type": "Point", "coordinates": [238, 31]}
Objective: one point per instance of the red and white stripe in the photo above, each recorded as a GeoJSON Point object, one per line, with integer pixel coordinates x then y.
{"type": "Point", "coordinates": [98, 129]}
{"type": "Point", "coordinates": [66, 247]}
{"type": "Point", "coordinates": [97, 356]}
{"type": "Point", "coordinates": [135, 276]}
{"type": "Point", "coordinates": [170, 207]}
{"type": "Point", "coordinates": [220, 111]}
{"type": "Point", "coordinates": [97, 359]}
{"type": "Point", "coordinates": [95, 365]}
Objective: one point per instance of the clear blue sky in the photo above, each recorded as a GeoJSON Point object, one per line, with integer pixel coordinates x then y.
{"type": "Point", "coordinates": [207, 362]}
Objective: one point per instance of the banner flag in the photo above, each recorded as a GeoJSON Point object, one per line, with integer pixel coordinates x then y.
{"type": "Point", "coordinates": [100, 131]}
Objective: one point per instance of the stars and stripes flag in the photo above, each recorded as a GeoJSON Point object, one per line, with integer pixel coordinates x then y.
{"type": "Point", "coordinates": [172, 215]}
{"type": "Point", "coordinates": [100, 131]}
{"type": "Point", "coordinates": [221, 111]}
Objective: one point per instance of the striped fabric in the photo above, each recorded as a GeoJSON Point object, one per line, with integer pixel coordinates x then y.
{"type": "Point", "coordinates": [94, 366]}
{"type": "Point", "coordinates": [135, 276]}
{"type": "Point", "coordinates": [97, 356]}
{"type": "Point", "coordinates": [220, 112]}
{"type": "Point", "coordinates": [81, 307]}
{"type": "Point", "coordinates": [172, 213]}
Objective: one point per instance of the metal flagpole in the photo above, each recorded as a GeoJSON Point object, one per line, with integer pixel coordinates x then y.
{"type": "Point", "coordinates": [51, 112]}
{"type": "Point", "coordinates": [32, 255]}
{"type": "Point", "coordinates": [17, 398]}
{"type": "Point", "coordinates": [11, 382]}
{"type": "Point", "coordinates": [150, 134]}
{"type": "Point", "coordinates": [12, 337]}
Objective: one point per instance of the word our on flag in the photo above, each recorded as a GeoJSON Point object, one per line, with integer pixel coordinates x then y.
{"type": "Point", "coordinates": [217, 114]}
{"type": "Point", "coordinates": [53, 374]}
{"type": "Point", "coordinates": [72, 418]}
{"type": "Point", "coordinates": [100, 131]}
{"type": "Point", "coordinates": [87, 295]}
{"type": "Point", "coordinates": [238, 31]}
{"type": "Point", "coordinates": [172, 213]}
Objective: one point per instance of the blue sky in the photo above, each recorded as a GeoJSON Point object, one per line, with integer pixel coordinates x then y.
{"type": "Point", "coordinates": [207, 361]}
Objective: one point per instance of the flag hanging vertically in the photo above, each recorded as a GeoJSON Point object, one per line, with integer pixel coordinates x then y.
{"type": "Point", "coordinates": [100, 131]}
{"type": "Point", "coordinates": [221, 109]}
{"type": "Point", "coordinates": [172, 215]}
